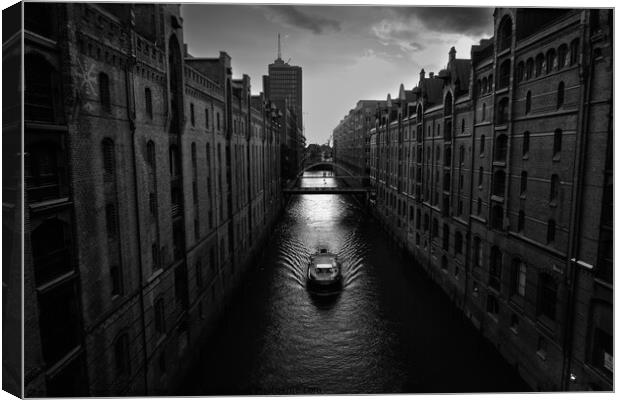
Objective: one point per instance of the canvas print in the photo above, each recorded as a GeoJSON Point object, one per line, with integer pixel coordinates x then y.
{"type": "Point", "coordinates": [253, 199]}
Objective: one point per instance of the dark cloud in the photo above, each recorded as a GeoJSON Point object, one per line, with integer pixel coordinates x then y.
{"type": "Point", "coordinates": [465, 20]}
{"type": "Point", "coordinates": [293, 16]}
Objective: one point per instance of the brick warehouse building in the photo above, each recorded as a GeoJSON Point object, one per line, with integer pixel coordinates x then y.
{"type": "Point", "coordinates": [152, 177]}
{"type": "Point", "coordinates": [496, 176]}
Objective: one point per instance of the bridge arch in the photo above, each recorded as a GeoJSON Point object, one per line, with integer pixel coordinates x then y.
{"type": "Point", "coordinates": [326, 163]}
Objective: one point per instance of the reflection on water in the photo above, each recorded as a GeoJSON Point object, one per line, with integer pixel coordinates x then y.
{"type": "Point", "coordinates": [390, 330]}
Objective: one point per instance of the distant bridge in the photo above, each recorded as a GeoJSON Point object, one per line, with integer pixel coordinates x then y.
{"type": "Point", "coordinates": [358, 188]}
{"type": "Point", "coordinates": [327, 190]}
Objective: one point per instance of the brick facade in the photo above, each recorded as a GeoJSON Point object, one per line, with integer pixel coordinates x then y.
{"type": "Point", "coordinates": [152, 179]}
{"type": "Point", "coordinates": [495, 174]}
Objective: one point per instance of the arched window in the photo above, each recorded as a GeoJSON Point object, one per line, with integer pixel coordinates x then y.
{"type": "Point", "coordinates": [540, 62]}
{"type": "Point", "coordinates": [501, 148]}
{"type": "Point", "coordinates": [562, 52]}
{"type": "Point", "coordinates": [482, 141]}
{"type": "Point", "coordinates": [523, 183]}
{"type": "Point", "coordinates": [550, 231]}
{"type": "Point", "coordinates": [104, 91]}
{"type": "Point", "coordinates": [495, 268]}
{"type": "Point", "coordinates": [107, 150]}
{"type": "Point", "coordinates": [557, 143]}
{"type": "Point", "coordinates": [528, 102]}
{"type": "Point", "coordinates": [148, 102]}
{"type": "Point", "coordinates": [477, 253]}
{"type": "Point", "coordinates": [519, 277]}
{"type": "Point", "coordinates": [502, 111]}
{"type": "Point", "coordinates": [504, 74]}
{"type": "Point", "coordinates": [529, 68]}
{"type": "Point", "coordinates": [499, 183]}
{"type": "Point", "coordinates": [520, 71]}
{"type": "Point", "coordinates": [550, 60]}
{"type": "Point", "coordinates": [574, 52]}
{"type": "Point", "coordinates": [504, 33]}
{"type": "Point", "coordinates": [121, 354]}
{"type": "Point", "coordinates": [560, 95]}
{"type": "Point", "coordinates": [554, 189]}
{"type": "Point", "coordinates": [526, 143]}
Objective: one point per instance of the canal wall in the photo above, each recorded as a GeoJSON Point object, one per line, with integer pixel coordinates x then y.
{"type": "Point", "coordinates": [454, 285]}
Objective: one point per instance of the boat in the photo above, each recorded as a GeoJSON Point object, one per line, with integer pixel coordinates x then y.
{"type": "Point", "coordinates": [324, 273]}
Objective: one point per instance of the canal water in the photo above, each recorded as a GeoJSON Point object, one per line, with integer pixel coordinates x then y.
{"type": "Point", "coordinates": [391, 329]}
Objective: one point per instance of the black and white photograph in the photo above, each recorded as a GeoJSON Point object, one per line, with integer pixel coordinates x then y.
{"type": "Point", "coordinates": [228, 199]}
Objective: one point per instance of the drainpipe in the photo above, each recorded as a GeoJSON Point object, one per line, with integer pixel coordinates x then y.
{"type": "Point", "coordinates": [572, 274]}
{"type": "Point", "coordinates": [131, 117]}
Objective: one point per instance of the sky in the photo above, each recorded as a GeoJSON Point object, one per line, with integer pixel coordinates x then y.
{"type": "Point", "coordinates": [347, 53]}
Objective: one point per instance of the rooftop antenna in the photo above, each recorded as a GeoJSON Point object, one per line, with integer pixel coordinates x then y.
{"type": "Point", "coordinates": [279, 48]}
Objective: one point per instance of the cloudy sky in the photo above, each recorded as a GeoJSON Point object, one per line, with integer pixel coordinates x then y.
{"type": "Point", "coordinates": [347, 53]}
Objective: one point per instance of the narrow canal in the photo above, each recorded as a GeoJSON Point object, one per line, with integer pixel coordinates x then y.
{"type": "Point", "coordinates": [391, 330]}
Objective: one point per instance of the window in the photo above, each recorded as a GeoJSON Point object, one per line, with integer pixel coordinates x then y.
{"type": "Point", "coordinates": [199, 273]}
{"type": "Point", "coordinates": [540, 62]}
{"type": "Point", "coordinates": [160, 317]}
{"type": "Point", "coordinates": [479, 206]}
{"type": "Point", "coordinates": [104, 91]}
{"type": "Point", "coordinates": [463, 125]}
{"type": "Point", "coordinates": [560, 95]}
{"type": "Point", "coordinates": [574, 51]}
{"type": "Point", "coordinates": [207, 118]}
{"type": "Point", "coordinates": [528, 102]}
{"type": "Point", "coordinates": [492, 305]}
{"type": "Point", "coordinates": [499, 183]}
{"type": "Point", "coordinates": [477, 251]}
{"type": "Point", "coordinates": [550, 231]}
{"type": "Point", "coordinates": [150, 154]}
{"type": "Point", "coordinates": [504, 74]}
{"type": "Point", "coordinates": [482, 140]}
{"type": "Point", "coordinates": [480, 176]}
{"type": "Point", "coordinates": [501, 148]}
{"type": "Point", "coordinates": [107, 147]}
{"type": "Point", "coordinates": [495, 268]}
{"type": "Point", "coordinates": [458, 243]}
{"type": "Point", "coordinates": [518, 278]}
{"type": "Point", "coordinates": [547, 295]}
{"type": "Point", "coordinates": [484, 112]}
{"type": "Point", "coordinates": [116, 281]}
{"type": "Point", "coordinates": [521, 221]}
{"type": "Point", "coordinates": [446, 237]}
{"type": "Point", "coordinates": [435, 230]}
{"type": "Point", "coordinates": [520, 71]}
{"type": "Point", "coordinates": [497, 215]}
{"type": "Point", "coordinates": [121, 354]}
{"type": "Point", "coordinates": [526, 143]}
{"type": "Point", "coordinates": [557, 143]}
{"type": "Point", "coordinates": [444, 262]}
{"type": "Point", "coordinates": [514, 323]}
{"type": "Point", "coordinates": [504, 33]}
{"type": "Point", "coordinates": [51, 244]}
{"type": "Point", "coordinates": [523, 183]}
{"type": "Point", "coordinates": [148, 102]}
{"type": "Point", "coordinates": [529, 68]}
{"type": "Point", "coordinates": [192, 116]}
{"type": "Point", "coordinates": [217, 115]}
{"type": "Point", "coordinates": [502, 111]}
{"type": "Point", "coordinates": [562, 51]}
{"type": "Point", "coordinates": [485, 85]}
{"type": "Point", "coordinates": [554, 189]}
{"type": "Point", "coordinates": [41, 89]}
{"type": "Point", "coordinates": [550, 60]}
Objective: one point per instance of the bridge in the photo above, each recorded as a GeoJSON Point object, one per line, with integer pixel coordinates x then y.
{"type": "Point", "coordinates": [355, 183]}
